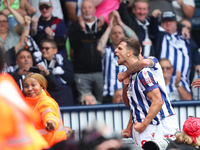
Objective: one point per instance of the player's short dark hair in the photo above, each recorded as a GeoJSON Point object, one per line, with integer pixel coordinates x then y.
{"type": "Point", "coordinates": [132, 44]}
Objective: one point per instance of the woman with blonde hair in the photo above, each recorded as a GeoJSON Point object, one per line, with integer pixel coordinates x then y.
{"type": "Point", "coordinates": [189, 138]}
{"type": "Point", "coordinates": [49, 122]}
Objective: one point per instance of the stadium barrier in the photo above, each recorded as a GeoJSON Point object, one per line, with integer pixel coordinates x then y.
{"type": "Point", "coordinates": [116, 116]}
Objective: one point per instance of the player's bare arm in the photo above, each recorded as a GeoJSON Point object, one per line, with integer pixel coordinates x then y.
{"type": "Point", "coordinates": [126, 133]}
{"type": "Point", "coordinates": [155, 107]}
{"type": "Point", "coordinates": [124, 92]}
{"type": "Point", "coordinates": [135, 68]}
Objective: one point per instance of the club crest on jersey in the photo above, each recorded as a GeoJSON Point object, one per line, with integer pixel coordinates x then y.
{"type": "Point", "coordinates": [133, 78]}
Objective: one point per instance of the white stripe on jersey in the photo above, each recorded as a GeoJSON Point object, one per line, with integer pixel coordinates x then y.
{"type": "Point", "coordinates": [110, 71]}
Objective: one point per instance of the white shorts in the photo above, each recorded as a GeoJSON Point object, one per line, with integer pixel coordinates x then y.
{"type": "Point", "coordinates": [170, 126]}
{"type": "Point", "coordinates": [151, 132]}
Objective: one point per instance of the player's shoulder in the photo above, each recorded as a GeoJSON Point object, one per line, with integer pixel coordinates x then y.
{"type": "Point", "coordinates": [144, 72]}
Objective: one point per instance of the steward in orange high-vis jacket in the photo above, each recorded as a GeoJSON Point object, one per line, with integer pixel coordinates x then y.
{"type": "Point", "coordinates": [49, 122]}
{"type": "Point", "coordinates": [16, 129]}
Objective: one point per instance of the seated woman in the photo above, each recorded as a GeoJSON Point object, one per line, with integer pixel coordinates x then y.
{"type": "Point", "coordinates": [49, 123]}
{"type": "Point", "coordinates": [189, 138]}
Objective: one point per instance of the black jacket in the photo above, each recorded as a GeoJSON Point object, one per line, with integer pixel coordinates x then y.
{"type": "Point", "coordinates": [86, 59]}
{"type": "Point", "coordinates": [130, 20]}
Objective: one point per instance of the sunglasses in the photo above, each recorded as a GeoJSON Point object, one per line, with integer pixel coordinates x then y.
{"type": "Point", "coordinates": [46, 48]}
{"type": "Point", "coordinates": [44, 7]}
{"type": "Point", "coordinates": [167, 68]}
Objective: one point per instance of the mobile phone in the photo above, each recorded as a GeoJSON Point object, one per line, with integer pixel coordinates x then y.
{"type": "Point", "coordinates": [34, 69]}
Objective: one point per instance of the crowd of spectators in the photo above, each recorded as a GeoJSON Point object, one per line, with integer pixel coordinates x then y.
{"type": "Point", "coordinates": [76, 55]}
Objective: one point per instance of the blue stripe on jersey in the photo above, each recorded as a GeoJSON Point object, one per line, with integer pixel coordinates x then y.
{"type": "Point", "coordinates": [175, 61]}
{"type": "Point", "coordinates": [166, 103]}
{"type": "Point", "coordinates": [183, 60]}
{"type": "Point", "coordinates": [108, 75]}
{"type": "Point", "coordinates": [167, 51]}
{"type": "Point", "coordinates": [151, 88]}
{"type": "Point", "coordinates": [104, 67]}
{"type": "Point", "coordinates": [170, 85]}
{"type": "Point", "coordinates": [137, 112]}
{"type": "Point", "coordinates": [155, 60]}
{"type": "Point", "coordinates": [116, 72]}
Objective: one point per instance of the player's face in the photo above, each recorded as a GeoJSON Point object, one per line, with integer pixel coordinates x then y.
{"type": "Point", "coordinates": [116, 34]}
{"type": "Point", "coordinates": [167, 69]}
{"type": "Point", "coordinates": [170, 26]}
{"type": "Point", "coordinates": [31, 87]}
{"type": "Point", "coordinates": [141, 10]}
{"type": "Point", "coordinates": [121, 53]}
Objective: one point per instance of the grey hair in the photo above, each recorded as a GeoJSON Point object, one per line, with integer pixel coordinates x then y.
{"type": "Point", "coordinates": [86, 94]}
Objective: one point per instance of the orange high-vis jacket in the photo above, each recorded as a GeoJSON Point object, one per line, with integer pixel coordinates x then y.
{"type": "Point", "coordinates": [16, 129]}
{"type": "Point", "coordinates": [48, 109]}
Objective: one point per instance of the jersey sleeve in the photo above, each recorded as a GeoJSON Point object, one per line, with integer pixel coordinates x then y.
{"type": "Point", "coordinates": [147, 80]}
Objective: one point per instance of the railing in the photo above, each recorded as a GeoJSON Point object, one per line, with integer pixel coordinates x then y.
{"type": "Point", "coordinates": [116, 116]}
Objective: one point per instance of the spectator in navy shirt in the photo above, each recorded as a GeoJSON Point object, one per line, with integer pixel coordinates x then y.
{"type": "Point", "coordinates": [49, 27]}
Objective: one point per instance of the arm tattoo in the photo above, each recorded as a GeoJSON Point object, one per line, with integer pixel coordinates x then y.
{"type": "Point", "coordinates": [135, 68]}
{"type": "Point", "coordinates": [129, 32]}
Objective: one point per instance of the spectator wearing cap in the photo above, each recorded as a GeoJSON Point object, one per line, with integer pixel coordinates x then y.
{"type": "Point", "coordinates": [49, 27]}
{"type": "Point", "coordinates": [189, 138]}
{"type": "Point", "coordinates": [170, 44]}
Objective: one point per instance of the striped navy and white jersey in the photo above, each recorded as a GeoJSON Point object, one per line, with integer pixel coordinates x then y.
{"type": "Point", "coordinates": [110, 71]}
{"type": "Point", "coordinates": [172, 91]}
{"type": "Point", "coordinates": [176, 50]}
{"type": "Point", "coordinates": [143, 82]}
